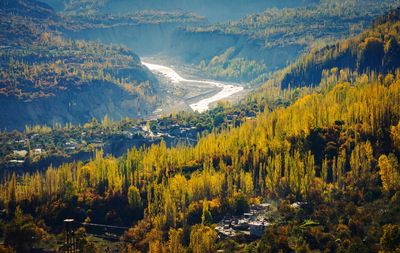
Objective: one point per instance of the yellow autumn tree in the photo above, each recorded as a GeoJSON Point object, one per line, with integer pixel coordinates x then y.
{"type": "Point", "coordinates": [202, 239]}
{"type": "Point", "coordinates": [389, 172]}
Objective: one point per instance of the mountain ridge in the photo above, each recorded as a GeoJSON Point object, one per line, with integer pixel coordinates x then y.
{"type": "Point", "coordinates": [39, 64]}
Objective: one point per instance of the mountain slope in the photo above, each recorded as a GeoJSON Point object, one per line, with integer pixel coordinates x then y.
{"type": "Point", "coordinates": [326, 169]}
{"type": "Point", "coordinates": [28, 8]}
{"type": "Point", "coordinates": [270, 40]}
{"type": "Point", "coordinates": [214, 10]}
{"type": "Point", "coordinates": [45, 78]}
{"type": "Point", "coordinates": [146, 32]}
{"type": "Point", "coordinates": [377, 49]}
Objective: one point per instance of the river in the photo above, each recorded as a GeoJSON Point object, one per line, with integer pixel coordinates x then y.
{"type": "Point", "coordinates": [203, 105]}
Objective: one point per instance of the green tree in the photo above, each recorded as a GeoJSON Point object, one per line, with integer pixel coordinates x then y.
{"type": "Point", "coordinates": [134, 199]}
{"type": "Point", "coordinates": [371, 55]}
{"type": "Point", "coordinates": [206, 217]}
{"type": "Point", "coordinates": [241, 204]}
{"type": "Point", "coordinates": [218, 119]}
{"type": "Point", "coordinates": [390, 240]}
{"type": "Point", "coordinates": [22, 233]}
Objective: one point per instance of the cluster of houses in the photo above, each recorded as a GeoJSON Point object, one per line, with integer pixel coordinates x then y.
{"type": "Point", "coordinates": [251, 224]}
{"type": "Point", "coordinates": [20, 152]}
{"type": "Point", "coordinates": [20, 155]}
{"type": "Point", "coordinates": [170, 133]}
{"type": "Point", "coordinates": [176, 131]}
{"type": "Point", "coordinates": [21, 148]}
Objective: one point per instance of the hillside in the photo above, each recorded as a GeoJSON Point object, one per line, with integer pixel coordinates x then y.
{"type": "Point", "coordinates": [32, 8]}
{"type": "Point", "coordinates": [376, 49]}
{"type": "Point", "coordinates": [319, 174]}
{"type": "Point", "coordinates": [220, 10]}
{"type": "Point", "coordinates": [252, 47]}
{"type": "Point", "coordinates": [147, 32]}
{"type": "Point", "coordinates": [45, 78]}
{"type": "Point", "coordinates": [341, 156]}
{"type": "Point", "coordinates": [248, 49]}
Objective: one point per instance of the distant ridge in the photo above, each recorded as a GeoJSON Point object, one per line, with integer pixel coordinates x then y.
{"type": "Point", "coordinates": [28, 8]}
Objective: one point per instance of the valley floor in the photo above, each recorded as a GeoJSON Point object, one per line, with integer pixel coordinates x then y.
{"type": "Point", "coordinates": [187, 90]}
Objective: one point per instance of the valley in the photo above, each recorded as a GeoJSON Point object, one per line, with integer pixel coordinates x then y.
{"type": "Point", "coordinates": [199, 126]}
{"type": "Point", "coordinates": [208, 91]}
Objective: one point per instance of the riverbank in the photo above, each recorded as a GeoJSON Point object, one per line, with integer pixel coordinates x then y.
{"type": "Point", "coordinates": [189, 92]}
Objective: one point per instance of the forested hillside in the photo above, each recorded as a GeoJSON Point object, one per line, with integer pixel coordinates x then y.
{"type": "Point", "coordinates": [244, 48]}
{"type": "Point", "coordinates": [250, 48]}
{"type": "Point", "coordinates": [45, 78]}
{"type": "Point", "coordinates": [376, 49]}
{"type": "Point", "coordinates": [331, 150]}
{"type": "Point", "coordinates": [327, 164]}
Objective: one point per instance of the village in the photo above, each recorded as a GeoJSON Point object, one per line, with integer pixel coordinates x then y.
{"type": "Point", "coordinates": [36, 149]}
{"type": "Point", "coordinates": [251, 225]}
